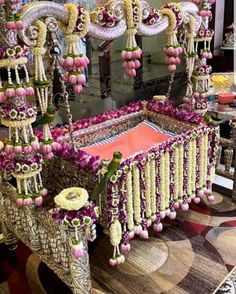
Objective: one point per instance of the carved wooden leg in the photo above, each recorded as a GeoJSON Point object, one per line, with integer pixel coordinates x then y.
{"type": "Point", "coordinates": [10, 239]}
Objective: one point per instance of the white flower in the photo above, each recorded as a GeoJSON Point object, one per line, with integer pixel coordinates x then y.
{"type": "Point", "coordinates": [87, 220]}
{"type": "Point", "coordinates": [13, 114]}
{"type": "Point", "coordinates": [25, 168]}
{"type": "Point", "coordinates": [34, 166]}
{"type": "Point", "coordinates": [21, 115]}
{"type": "Point", "coordinates": [17, 167]}
{"type": "Point", "coordinates": [75, 222]}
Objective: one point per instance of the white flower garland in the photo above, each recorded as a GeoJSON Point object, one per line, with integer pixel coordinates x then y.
{"type": "Point", "coordinates": [167, 181]}
{"type": "Point", "coordinates": [205, 157]}
{"type": "Point", "coordinates": [176, 174]}
{"type": "Point", "coordinates": [67, 202]}
{"type": "Point", "coordinates": [202, 160]}
{"type": "Point", "coordinates": [137, 208]}
{"type": "Point", "coordinates": [181, 170]}
{"type": "Point", "coordinates": [194, 165]}
{"type": "Point", "coordinates": [162, 182]}
{"type": "Point", "coordinates": [190, 169]}
{"type": "Point", "coordinates": [115, 233]}
{"type": "Point", "coordinates": [130, 210]}
{"type": "Point", "coordinates": [153, 186]}
{"type": "Point", "coordinates": [148, 189]}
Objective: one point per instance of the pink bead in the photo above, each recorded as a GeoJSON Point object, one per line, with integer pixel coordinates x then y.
{"type": "Point", "coordinates": [44, 192]}
{"type": "Point", "coordinates": [17, 149]}
{"type": "Point", "coordinates": [21, 92]}
{"type": "Point", "coordinates": [172, 215]}
{"type": "Point", "coordinates": [185, 207]}
{"type": "Point", "coordinates": [49, 156]}
{"type": "Point", "coordinates": [81, 79]}
{"type": "Point", "coordinates": [158, 227]}
{"type": "Point", "coordinates": [56, 146]}
{"type": "Point", "coordinates": [78, 89]}
{"type": "Point", "coordinates": [112, 262]}
{"type": "Point", "coordinates": [27, 149]}
{"type": "Point", "coordinates": [197, 200]}
{"type": "Point", "coordinates": [172, 67]}
{"type": "Point", "coordinates": [10, 25]}
{"type": "Point", "coordinates": [38, 201]}
{"type": "Point", "coordinates": [69, 61]}
{"type": "Point", "coordinates": [19, 25]}
{"type": "Point", "coordinates": [72, 79]}
{"type": "Point", "coordinates": [10, 92]}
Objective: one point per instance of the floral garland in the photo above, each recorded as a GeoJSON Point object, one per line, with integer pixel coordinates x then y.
{"type": "Point", "coordinates": [132, 52]}
{"type": "Point", "coordinates": [137, 204]}
{"type": "Point", "coordinates": [175, 15]}
{"type": "Point", "coordinates": [104, 16]}
{"type": "Point", "coordinates": [153, 185]}
{"type": "Point", "coordinates": [153, 17]}
{"type": "Point", "coordinates": [77, 220]}
{"type": "Point", "coordinates": [130, 209]}
{"type": "Point", "coordinates": [73, 62]}
{"type": "Point", "coordinates": [12, 112]}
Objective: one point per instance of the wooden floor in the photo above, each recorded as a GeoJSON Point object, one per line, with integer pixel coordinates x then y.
{"type": "Point", "coordinates": [192, 255]}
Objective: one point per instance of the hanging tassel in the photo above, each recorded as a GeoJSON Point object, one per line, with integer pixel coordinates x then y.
{"type": "Point", "coordinates": [132, 54]}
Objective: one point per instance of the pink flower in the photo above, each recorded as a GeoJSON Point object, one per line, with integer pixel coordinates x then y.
{"type": "Point", "coordinates": [77, 250]}
{"type": "Point", "coordinates": [20, 92]}
{"type": "Point", "coordinates": [81, 79]}
{"type": "Point", "coordinates": [10, 25]}
{"type": "Point", "coordinates": [8, 148]}
{"type": "Point", "coordinates": [17, 149]}
{"type": "Point", "coordinates": [120, 259]}
{"type": "Point", "coordinates": [2, 97]}
{"type": "Point", "coordinates": [158, 227]}
{"type": "Point", "coordinates": [30, 91]}
{"type": "Point", "coordinates": [46, 148]}
{"type": "Point", "coordinates": [172, 67]}
{"type": "Point", "coordinates": [19, 25]}
{"type": "Point", "coordinates": [197, 200]}
{"type": "Point", "coordinates": [172, 215]}
{"type": "Point", "coordinates": [129, 54]}
{"type": "Point", "coordinates": [27, 149]}
{"type": "Point", "coordinates": [131, 235]}
{"type": "Point", "coordinates": [210, 198]}
{"type": "Point", "coordinates": [2, 2]}
{"type": "Point", "coordinates": [72, 79]}
{"type": "Point", "coordinates": [113, 261]}
{"type": "Point", "coordinates": [78, 89]}
{"type": "Point", "coordinates": [44, 192]}
{"type": "Point", "coordinates": [19, 201]}
{"type": "Point", "coordinates": [123, 55]}
{"type": "Point", "coordinates": [49, 156]}
{"type": "Point", "coordinates": [125, 248]}
{"type": "Point", "coordinates": [176, 205]}
{"type": "Point", "coordinates": [38, 201]}
{"type": "Point", "coordinates": [162, 214]}
{"type": "Point", "coordinates": [27, 201]}
{"type": "Point", "coordinates": [144, 234]}
{"type": "Point", "coordinates": [131, 73]}
{"type": "Point", "coordinates": [10, 92]}
{"type": "Point", "coordinates": [170, 51]}
{"type": "Point", "coordinates": [185, 207]}
{"type": "Point", "coordinates": [56, 146]}
{"type": "Point", "coordinates": [35, 145]}
{"type": "Point", "coordinates": [69, 61]}
{"type": "Point", "coordinates": [138, 230]}
{"type": "Point", "coordinates": [131, 64]}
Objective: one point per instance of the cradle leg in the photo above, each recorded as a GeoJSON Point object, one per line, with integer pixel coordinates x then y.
{"type": "Point", "coordinates": [10, 239]}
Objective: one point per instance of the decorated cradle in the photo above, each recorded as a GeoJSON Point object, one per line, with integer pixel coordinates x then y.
{"type": "Point", "coordinates": [150, 184]}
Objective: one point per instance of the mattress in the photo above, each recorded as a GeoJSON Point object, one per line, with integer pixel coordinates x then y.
{"type": "Point", "coordinates": [140, 138]}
